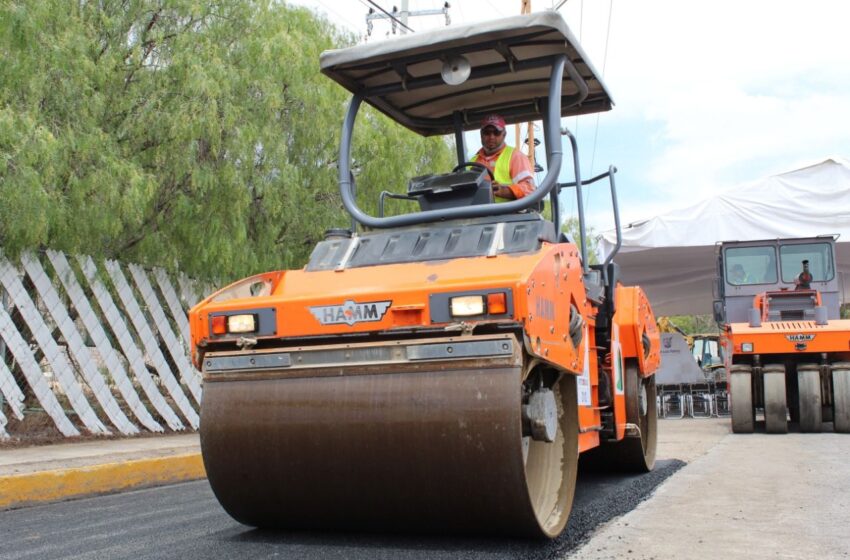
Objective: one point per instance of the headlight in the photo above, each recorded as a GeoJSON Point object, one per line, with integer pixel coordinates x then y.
{"type": "Point", "coordinates": [478, 305]}
{"type": "Point", "coordinates": [260, 321]}
{"type": "Point", "coordinates": [746, 347]}
{"type": "Point", "coordinates": [467, 306]}
{"type": "Point", "coordinates": [241, 323]}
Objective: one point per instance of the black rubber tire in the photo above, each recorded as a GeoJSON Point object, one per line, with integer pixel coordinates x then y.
{"type": "Point", "coordinates": [632, 454]}
{"type": "Point", "coordinates": [775, 405]}
{"type": "Point", "coordinates": [741, 391]}
{"type": "Point", "coordinates": [841, 400]}
{"type": "Point", "coordinates": [808, 383]}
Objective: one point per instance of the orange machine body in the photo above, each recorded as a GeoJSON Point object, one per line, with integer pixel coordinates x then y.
{"type": "Point", "coordinates": [791, 337]}
{"type": "Point", "coordinates": [788, 338]}
{"type": "Point", "coordinates": [410, 300]}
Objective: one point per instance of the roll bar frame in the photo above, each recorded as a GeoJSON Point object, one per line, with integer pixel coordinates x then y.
{"type": "Point", "coordinates": [554, 157]}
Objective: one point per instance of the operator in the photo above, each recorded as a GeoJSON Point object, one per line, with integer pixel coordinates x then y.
{"type": "Point", "coordinates": [514, 176]}
{"type": "Point", "coordinates": [804, 279]}
{"type": "Point", "coordinates": [738, 276]}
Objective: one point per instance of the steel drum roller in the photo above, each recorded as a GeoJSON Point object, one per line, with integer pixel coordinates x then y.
{"type": "Point", "coordinates": [392, 447]}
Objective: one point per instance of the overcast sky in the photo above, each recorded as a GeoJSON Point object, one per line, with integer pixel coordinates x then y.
{"type": "Point", "coordinates": [709, 95]}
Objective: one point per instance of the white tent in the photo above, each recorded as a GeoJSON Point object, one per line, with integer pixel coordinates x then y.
{"type": "Point", "coordinates": [672, 256]}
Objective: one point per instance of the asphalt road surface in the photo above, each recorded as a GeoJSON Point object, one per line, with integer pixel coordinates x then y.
{"type": "Point", "coordinates": [185, 521]}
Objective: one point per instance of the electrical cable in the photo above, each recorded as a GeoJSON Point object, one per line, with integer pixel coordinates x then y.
{"type": "Point", "coordinates": [495, 9]}
{"type": "Point", "coordinates": [596, 131]}
{"type": "Point", "coordinates": [329, 9]}
{"type": "Point", "coordinates": [604, 63]}
{"type": "Point", "coordinates": [392, 17]}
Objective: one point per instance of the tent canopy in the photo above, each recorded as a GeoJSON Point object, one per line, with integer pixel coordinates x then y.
{"type": "Point", "coordinates": [672, 256]}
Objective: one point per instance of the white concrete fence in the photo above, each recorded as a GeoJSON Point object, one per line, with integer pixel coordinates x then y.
{"type": "Point", "coordinates": [96, 349]}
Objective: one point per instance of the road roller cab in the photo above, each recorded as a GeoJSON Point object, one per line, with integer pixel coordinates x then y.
{"type": "Point", "coordinates": [786, 348]}
{"type": "Point", "coordinates": [439, 370]}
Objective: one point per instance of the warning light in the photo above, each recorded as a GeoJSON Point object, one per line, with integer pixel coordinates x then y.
{"type": "Point", "coordinates": [219, 324]}
{"type": "Point", "coordinates": [497, 303]}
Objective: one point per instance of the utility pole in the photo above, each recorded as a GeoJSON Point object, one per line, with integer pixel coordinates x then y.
{"type": "Point", "coordinates": [401, 17]}
{"type": "Point", "coordinates": [525, 8]}
{"type": "Point", "coordinates": [405, 14]}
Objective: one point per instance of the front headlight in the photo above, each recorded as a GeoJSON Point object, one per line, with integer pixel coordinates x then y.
{"type": "Point", "coordinates": [246, 323]}
{"type": "Point", "coordinates": [467, 306]}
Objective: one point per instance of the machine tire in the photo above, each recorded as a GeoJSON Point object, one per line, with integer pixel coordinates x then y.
{"type": "Point", "coordinates": [741, 390]}
{"type": "Point", "coordinates": [639, 453]}
{"type": "Point", "coordinates": [775, 405]}
{"type": "Point", "coordinates": [632, 454]}
{"type": "Point", "coordinates": [808, 383]}
{"type": "Point", "coordinates": [841, 400]}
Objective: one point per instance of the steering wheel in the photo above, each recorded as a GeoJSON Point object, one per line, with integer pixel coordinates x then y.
{"type": "Point", "coordinates": [476, 165]}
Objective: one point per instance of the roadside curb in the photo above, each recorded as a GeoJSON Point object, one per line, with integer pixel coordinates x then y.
{"type": "Point", "coordinates": [62, 484]}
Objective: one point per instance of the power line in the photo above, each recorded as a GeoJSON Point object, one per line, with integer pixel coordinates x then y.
{"type": "Point", "coordinates": [391, 16]}
{"type": "Point", "coordinates": [604, 63]}
{"type": "Point", "coordinates": [495, 9]}
{"type": "Point", "coordinates": [596, 131]}
{"type": "Point", "coordinates": [329, 9]}
{"type": "Point", "coordinates": [580, 38]}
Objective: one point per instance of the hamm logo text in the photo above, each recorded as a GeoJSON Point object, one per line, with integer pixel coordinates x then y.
{"type": "Point", "coordinates": [800, 337]}
{"type": "Point", "coordinates": [350, 312]}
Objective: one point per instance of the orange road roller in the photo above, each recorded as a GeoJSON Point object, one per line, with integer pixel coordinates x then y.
{"type": "Point", "coordinates": [439, 370]}
{"type": "Point", "coordinates": [786, 348]}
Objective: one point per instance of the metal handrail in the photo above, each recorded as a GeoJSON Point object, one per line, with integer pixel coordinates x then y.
{"type": "Point", "coordinates": [578, 184]}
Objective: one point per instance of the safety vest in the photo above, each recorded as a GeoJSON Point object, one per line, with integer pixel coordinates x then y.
{"type": "Point", "coordinates": [502, 173]}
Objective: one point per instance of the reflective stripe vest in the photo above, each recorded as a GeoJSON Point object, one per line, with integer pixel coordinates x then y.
{"type": "Point", "coordinates": [502, 173]}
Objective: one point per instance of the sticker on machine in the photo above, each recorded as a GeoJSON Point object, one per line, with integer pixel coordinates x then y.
{"type": "Point", "coordinates": [583, 381]}
{"type": "Point", "coordinates": [617, 357]}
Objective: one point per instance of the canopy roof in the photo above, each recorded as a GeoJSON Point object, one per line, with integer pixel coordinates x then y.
{"type": "Point", "coordinates": [510, 61]}
{"type": "Point", "coordinates": [672, 256]}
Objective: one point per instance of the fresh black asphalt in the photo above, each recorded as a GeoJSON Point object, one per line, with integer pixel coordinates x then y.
{"type": "Point", "coordinates": [184, 521]}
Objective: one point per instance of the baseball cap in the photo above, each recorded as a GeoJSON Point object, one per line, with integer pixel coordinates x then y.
{"type": "Point", "coordinates": [495, 121]}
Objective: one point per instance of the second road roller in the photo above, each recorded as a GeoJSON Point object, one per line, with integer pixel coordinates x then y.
{"type": "Point", "coordinates": [440, 370]}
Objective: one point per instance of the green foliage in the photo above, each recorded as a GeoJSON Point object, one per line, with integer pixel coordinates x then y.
{"type": "Point", "coordinates": [189, 134]}
{"type": "Point", "coordinates": [695, 324]}
{"type": "Point", "coordinates": [570, 226]}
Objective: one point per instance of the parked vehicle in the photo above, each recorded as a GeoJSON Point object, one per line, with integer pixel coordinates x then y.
{"type": "Point", "coordinates": [786, 349]}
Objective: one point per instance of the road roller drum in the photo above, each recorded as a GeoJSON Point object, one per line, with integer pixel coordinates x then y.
{"type": "Point", "coordinates": [401, 445]}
